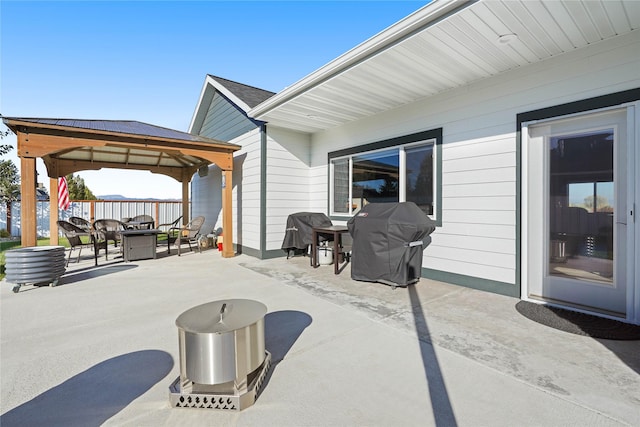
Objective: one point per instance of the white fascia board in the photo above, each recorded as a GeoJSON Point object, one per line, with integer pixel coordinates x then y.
{"type": "Point", "coordinates": [417, 21]}
{"type": "Point", "coordinates": [199, 104]}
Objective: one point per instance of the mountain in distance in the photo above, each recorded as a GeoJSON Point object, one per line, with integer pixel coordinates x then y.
{"type": "Point", "coordinates": [121, 197]}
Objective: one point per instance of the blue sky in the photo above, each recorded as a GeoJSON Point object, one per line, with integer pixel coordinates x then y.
{"type": "Point", "coordinates": [147, 61]}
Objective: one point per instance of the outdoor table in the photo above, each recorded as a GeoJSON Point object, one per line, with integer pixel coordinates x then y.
{"type": "Point", "coordinates": [139, 244]}
{"type": "Point", "coordinates": [335, 232]}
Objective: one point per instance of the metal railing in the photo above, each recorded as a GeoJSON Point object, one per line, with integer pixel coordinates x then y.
{"type": "Point", "coordinates": [162, 211]}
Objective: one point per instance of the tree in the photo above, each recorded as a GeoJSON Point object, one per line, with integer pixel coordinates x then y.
{"type": "Point", "coordinates": [9, 182]}
{"type": "Point", "coordinates": [601, 204]}
{"type": "Point", "coordinates": [9, 187]}
{"type": "Point", "coordinates": [78, 189]}
{"type": "Point", "coordinates": [5, 148]}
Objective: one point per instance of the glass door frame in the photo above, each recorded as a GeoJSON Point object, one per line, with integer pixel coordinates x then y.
{"type": "Point", "coordinates": [633, 195]}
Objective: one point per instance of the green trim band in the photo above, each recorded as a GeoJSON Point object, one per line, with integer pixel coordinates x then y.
{"type": "Point", "coordinates": [270, 254]}
{"type": "Point", "coordinates": [502, 288]}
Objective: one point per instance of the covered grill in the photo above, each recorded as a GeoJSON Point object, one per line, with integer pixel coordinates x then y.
{"type": "Point", "coordinates": [388, 241]}
{"type": "Point", "coordinates": [298, 234]}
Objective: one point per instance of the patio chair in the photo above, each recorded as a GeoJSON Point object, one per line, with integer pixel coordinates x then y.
{"type": "Point", "coordinates": [189, 233]}
{"type": "Point", "coordinates": [170, 230]}
{"type": "Point", "coordinates": [74, 235]}
{"type": "Point", "coordinates": [142, 222]}
{"type": "Point", "coordinates": [80, 222]}
{"type": "Point", "coordinates": [109, 229]}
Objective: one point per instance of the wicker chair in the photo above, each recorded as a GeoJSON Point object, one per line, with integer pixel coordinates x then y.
{"type": "Point", "coordinates": [189, 233]}
{"type": "Point", "coordinates": [170, 230]}
{"type": "Point", "coordinates": [74, 235]}
{"type": "Point", "coordinates": [143, 218]}
{"type": "Point", "coordinates": [80, 222]}
{"type": "Point", "coordinates": [109, 229]}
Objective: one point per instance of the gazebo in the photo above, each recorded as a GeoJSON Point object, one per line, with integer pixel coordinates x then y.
{"type": "Point", "coordinates": [67, 146]}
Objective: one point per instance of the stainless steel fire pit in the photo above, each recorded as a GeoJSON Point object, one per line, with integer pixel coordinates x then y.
{"type": "Point", "coordinates": [223, 360]}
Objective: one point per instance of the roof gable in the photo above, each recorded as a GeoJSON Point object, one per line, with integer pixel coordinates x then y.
{"type": "Point", "coordinates": [249, 95]}
{"type": "Point", "coordinates": [242, 97]}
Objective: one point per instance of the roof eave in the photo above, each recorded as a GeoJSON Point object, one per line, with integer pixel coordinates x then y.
{"type": "Point", "coordinates": [417, 21]}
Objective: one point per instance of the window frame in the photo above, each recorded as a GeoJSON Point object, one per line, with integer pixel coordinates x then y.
{"type": "Point", "coordinates": [401, 144]}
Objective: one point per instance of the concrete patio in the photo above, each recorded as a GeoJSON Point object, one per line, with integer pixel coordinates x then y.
{"type": "Point", "coordinates": [102, 349]}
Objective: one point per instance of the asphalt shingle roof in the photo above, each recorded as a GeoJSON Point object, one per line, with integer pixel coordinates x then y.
{"type": "Point", "coordinates": [250, 95]}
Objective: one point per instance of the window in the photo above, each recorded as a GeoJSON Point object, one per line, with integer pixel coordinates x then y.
{"type": "Point", "coordinates": [396, 170]}
{"type": "Point", "coordinates": [375, 178]}
{"type": "Point", "coordinates": [419, 176]}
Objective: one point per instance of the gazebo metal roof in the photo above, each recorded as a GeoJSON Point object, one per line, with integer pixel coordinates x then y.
{"type": "Point", "coordinates": [75, 145]}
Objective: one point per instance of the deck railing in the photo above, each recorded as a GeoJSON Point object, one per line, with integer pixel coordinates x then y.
{"type": "Point", "coordinates": [162, 211]}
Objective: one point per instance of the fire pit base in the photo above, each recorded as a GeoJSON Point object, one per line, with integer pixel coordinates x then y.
{"type": "Point", "coordinates": [196, 395]}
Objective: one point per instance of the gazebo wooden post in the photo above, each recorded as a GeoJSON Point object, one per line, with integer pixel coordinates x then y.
{"type": "Point", "coordinates": [53, 211]}
{"type": "Point", "coordinates": [227, 214]}
{"type": "Point", "coordinates": [28, 222]}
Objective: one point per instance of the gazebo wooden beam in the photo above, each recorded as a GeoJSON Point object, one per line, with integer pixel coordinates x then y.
{"type": "Point", "coordinates": [224, 160]}
{"type": "Point", "coordinates": [40, 142]}
{"type": "Point", "coordinates": [62, 167]}
{"type": "Point", "coordinates": [47, 146]}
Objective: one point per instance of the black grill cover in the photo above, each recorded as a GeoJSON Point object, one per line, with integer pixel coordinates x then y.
{"type": "Point", "coordinates": [388, 241]}
{"type": "Point", "coordinates": [298, 233]}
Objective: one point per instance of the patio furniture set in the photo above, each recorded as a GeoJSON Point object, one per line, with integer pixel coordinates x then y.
{"type": "Point", "coordinates": [384, 242]}
{"type": "Point", "coordinates": [137, 236]}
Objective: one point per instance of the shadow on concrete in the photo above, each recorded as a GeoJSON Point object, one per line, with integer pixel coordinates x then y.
{"type": "Point", "coordinates": [80, 274]}
{"type": "Point", "coordinates": [626, 351]}
{"type": "Point", "coordinates": [95, 395]}
{"type": "Point", "coordinates": [282, 329]}
{"type": "Point", "coordinates": [440, 403]}
{"type": "Point", "coordinates": [74, 276]}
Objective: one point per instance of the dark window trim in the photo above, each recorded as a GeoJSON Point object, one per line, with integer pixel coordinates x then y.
{"type": "Point", "coordinates": [432, 134]}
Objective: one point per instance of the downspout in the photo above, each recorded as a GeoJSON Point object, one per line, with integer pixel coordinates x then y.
{"type": "Point", "coordinates": [263, 190]}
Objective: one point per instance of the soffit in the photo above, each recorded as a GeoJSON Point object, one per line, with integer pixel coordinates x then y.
{"type": "Point", "coordinates": [443, 48]}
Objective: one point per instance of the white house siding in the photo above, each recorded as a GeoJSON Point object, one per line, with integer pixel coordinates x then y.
{"type": "Point", "coordinates": [246, 190]}
{"type": "Point", "coordinates": [478, 233]}
{"type": "Point", "coordinates": [288, 181]}
{"type": "Point", "coordinates": [224, 121]}
{"type": "Point", "coordinates": [206, 193]}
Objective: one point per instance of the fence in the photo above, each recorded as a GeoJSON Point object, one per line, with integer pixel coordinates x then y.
{"type": "Point", "coordinates": [163, 212]}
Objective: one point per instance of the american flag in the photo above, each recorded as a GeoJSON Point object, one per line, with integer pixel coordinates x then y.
{"type": "Point", "coordinates": [63, 194]}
